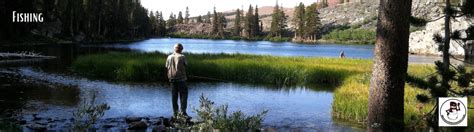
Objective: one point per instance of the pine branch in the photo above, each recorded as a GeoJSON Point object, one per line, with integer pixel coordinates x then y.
{"type": "Point", "coordinates": [460, 60]}
{"type": "Point", "coordinates": [460, 44]}
{"type": "Point", "coordinates": [454, 92]}
{"type": "Point", "coordinates": [432, 74]}
{"type": "Point", "coordinates": [424, 116]}
{"type": "Point", "coordinates": [436, 19]}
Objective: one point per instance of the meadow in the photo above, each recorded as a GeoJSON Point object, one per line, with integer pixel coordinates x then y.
{"type": "Point", "coordinates": [349, 78]}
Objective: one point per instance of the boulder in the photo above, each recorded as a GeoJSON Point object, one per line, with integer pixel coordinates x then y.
{"type": "Point", "coordinates": [36, 127]}
{"type": "Point", "coordinates": [132, 119]}
{"type": "Point", "coordinates": [107, 126]}
{"type": "Point", "coordinates": [421, 42]}
{"type": "Point", "coordinates": [166, 122]}
{"type": "Point", "coordinates": [159, 128]}
{"type": "Point", "coordinates": [140, 125]}
{"type": "Point", "coordinates": [22, 122]}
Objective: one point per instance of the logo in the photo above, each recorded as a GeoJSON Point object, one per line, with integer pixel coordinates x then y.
{"type": "Point", "coordinates": [452, 112]}
{"type": "Point", "coordinates": [27, 17]}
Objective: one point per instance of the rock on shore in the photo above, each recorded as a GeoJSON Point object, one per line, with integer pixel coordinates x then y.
{"type": "Point", "coordinates": [421, 42]}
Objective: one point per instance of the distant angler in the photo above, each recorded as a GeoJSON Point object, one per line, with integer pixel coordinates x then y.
{"type": "Point", "coordinates": [27, 17]}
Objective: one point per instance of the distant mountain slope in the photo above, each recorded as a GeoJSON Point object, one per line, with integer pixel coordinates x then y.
{"type": "Point", "coordinates": [364, 15]}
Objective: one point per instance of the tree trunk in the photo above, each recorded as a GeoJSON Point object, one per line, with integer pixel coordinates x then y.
{"type": "Point", "coordinates": [446, 63]}
{"type": "Point", "coordinates": [446, 45]}
{"type": "Point", "coordinates": [386, 104]}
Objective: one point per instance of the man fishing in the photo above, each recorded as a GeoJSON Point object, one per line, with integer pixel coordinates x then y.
{"type": "Point", "coordinates": [176, 66]}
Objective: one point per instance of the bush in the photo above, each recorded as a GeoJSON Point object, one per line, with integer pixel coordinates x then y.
{"type": "Point", "coordinates": [361, 36]}
{"type": "Point", "coordinates": [88, 113]}
{"type": "Point", "coordinates": [219, 118]}
{"type": "Point", "coordinates": [277, 39]}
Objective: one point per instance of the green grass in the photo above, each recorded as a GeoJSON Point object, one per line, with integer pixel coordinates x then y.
{"type": "Point", "coordinates": [357, 36]}
{"type": "Point", "coordinates": [145, 67]}
{"type": "Point", "coordinates": [349, 78]}
{"type": "Point", "coordinates": [351, 101]}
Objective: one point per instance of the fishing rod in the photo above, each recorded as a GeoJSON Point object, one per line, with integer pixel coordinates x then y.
{"type": "Point", "coordinates": [208, 78]}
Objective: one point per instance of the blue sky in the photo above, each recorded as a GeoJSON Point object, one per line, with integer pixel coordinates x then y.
{"type": "Point", "coordinates": [201, 7]}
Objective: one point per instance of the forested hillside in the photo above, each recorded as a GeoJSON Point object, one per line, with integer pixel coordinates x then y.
{"type": "Point", "coordinates": [75, 20]}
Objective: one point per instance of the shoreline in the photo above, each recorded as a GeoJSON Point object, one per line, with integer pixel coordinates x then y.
{"type": "Point", "coordinates": [128, 41]}
{"type": "Point", "coordinates": [65, 42]}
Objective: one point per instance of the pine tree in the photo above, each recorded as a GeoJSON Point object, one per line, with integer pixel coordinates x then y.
{"type": "Point", "coordinates": [199, 19]}
{"type": "Point", "coordinates": [180, 19]}
{"type": "Point", "coordinates": [159, 25]}
{"type": "Point", "coordinates": [248, 23]}
{"type": "Point", "coordinates": [186, 16]}
{"type": "Point", "coordinates": [90, 19]}
{"type": "Point", "coordinates": [171, 21]}
{"type": "Point", "coordinates": [386, 92]}
{"type": "Point", "coordinates": [237, 26]}
{"type": "Point", "coordinates": [456, 81]}
{"type": "Point", "coordinates": [162, 28]}
{"type": "Point", "coordinates": [256, 28]}
{"type": "Point", "coordinates": [221, 24]}
{"type": "Point", "coordinates": [208, 17]}
{"type": "Point", "coordinates": [312, 22]}
{"type": "Point", "coordinates": [298, 21]}
{"type": "Point", "coordinates": [282, 23]}
{"type": "Point", "coordinates": [154, 22]}
{"type": "Point", "coordinates": [278, 23]}
{"type": "Point", "coordinates": [215, 24]}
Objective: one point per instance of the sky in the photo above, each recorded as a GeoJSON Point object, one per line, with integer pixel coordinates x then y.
{"type": "Point", "coordinates": [201, 7]}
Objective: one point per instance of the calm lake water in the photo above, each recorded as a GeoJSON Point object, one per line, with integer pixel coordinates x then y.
{"type": "Point", "coordinates": [165, 45]}
{"type": "Point", "coordinates": [291, 108]}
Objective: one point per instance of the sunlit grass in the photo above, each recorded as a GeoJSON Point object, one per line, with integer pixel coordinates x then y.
{"type": "Point", "coordinates": [348, 77]}
{"type": "Point", "coordinates": [231, 67]}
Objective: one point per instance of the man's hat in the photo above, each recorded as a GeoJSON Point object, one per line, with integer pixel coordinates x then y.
{"type": "Point", "coordinates": [452, 104]}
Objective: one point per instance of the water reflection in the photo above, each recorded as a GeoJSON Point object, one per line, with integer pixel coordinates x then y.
{"type": "Point", "coordinates": [290, 108]}
{"type": "Point", "coordinates": [65, 54]}
{"type": "Point", "coordinates": [249, 47]}
{"type": "Point", "coordinates": [17, 91]}
{"type": "Point", "coordinates": [263, 48]}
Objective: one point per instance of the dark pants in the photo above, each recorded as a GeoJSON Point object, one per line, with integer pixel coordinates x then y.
{"type": "Point", "coordinates": [179, 88]}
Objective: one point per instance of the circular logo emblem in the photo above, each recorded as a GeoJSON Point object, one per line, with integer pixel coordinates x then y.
{"type": "Point", "coordinates": [452, 111]}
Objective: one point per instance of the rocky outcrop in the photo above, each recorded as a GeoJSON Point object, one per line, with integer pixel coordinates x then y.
{"type": "Point", "coordinates": [347, 14]}
{"type": "Point", "coordinates": [421, 42]}
{"type": "Point", "coordinates": [193, 28]}
{"type": "Point", "coordinates": [363, 15]}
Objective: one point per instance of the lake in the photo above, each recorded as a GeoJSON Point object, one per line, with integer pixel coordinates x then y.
{"type": "Point", "coordinates": [165, 45]}
{"type": "Point", "coordinates": [53, 91]}
{"type": "Point", "coordinates": [290, 108]}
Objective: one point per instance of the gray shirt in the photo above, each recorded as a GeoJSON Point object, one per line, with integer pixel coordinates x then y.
{"type": "Point", "coordinates": [176, 65]}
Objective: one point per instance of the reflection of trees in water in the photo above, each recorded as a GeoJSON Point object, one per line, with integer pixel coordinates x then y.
{"type": "Point", "coordinates": [18, 91]}
{"type": "Point", "coordinates": [273, 87]}
{"type": "Point", "coordinates": [65, 53]}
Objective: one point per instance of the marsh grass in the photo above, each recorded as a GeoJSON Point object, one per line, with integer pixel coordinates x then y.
{"type": "Point", "coordinates": [349, 78]}
{"type": "Point", "coordinates": [351, 98]}
{"type": "Point", "coordinates": [282, 71]}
